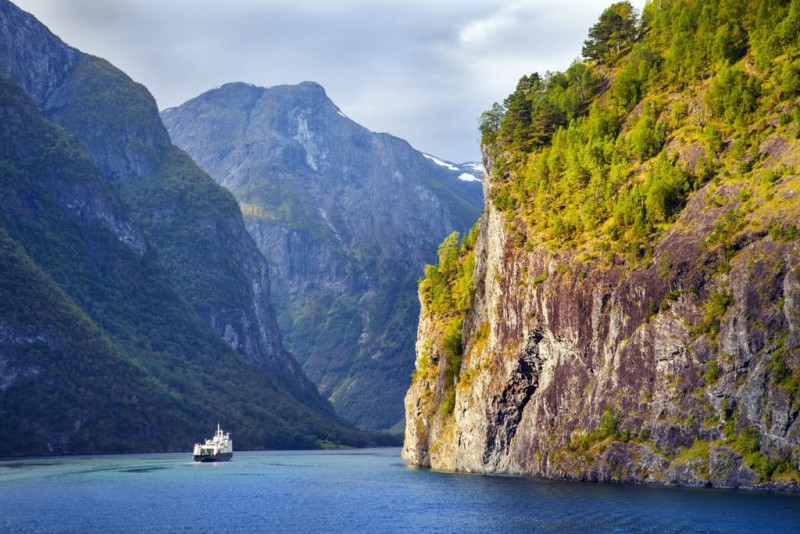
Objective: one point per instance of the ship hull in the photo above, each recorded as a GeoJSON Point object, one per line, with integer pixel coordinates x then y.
{"type": "Point", "coordinates": [220, 457]}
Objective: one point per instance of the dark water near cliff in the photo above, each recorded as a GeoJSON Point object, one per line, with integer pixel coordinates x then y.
{"type": "Point", "coordinates": [351, 491]}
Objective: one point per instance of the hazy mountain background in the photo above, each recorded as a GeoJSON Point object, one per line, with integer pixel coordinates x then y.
{"type": "Point", "coordinates": [347, 218]}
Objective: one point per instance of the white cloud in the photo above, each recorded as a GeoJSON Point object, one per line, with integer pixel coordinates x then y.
{"type": "Point", "coordinates": [481, 31]}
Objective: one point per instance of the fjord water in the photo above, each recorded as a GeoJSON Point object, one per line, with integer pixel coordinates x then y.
{"type": "Point", "coordinates": [351, 491]}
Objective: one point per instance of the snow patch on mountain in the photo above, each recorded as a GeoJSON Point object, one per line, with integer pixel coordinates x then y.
{"type": "Point", "coordinates": [441, 163]}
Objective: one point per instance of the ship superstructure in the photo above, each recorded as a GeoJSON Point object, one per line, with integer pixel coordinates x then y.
{"type": "Point", "coordinates": [216, 449]}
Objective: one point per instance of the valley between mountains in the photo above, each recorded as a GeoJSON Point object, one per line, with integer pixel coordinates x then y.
{"type": "Point", "coordinates": [346, 219]}
{"type": "Point", "coordinates": [610, 295]}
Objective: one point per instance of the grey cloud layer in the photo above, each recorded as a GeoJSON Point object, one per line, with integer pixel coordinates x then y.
{"type": "Point", "coordinates": [421, 70]}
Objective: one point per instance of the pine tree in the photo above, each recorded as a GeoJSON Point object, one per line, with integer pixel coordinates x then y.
{"type": "Point", "coordinates": [613, 34]}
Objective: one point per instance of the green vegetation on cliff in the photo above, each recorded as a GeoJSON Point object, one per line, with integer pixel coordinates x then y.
{"type": "Point", "coordinates": [608, 151]}
{"type": "Point", "coordinates": [100, 352]}
{"type": "Point", "coordinates": [447, 287]}
{"type": "Point", "coordinates": [642, 304]}
{"type": "Point", "coordinates": [447, 292]}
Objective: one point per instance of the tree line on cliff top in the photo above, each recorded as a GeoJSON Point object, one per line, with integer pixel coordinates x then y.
{"type": "Point", "coordinates": [582, 154]}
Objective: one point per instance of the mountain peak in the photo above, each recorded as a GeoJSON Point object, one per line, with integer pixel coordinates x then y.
{"type": "Point", "coordinates": [311, 87]}
{"type": "Point", "coordinates": [244, 96]}
{"type": "Point", "coordinates": [303, 93]}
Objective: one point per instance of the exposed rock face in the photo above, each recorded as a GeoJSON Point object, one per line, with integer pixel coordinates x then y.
{"type": "Point", "coordinates": [347, 219]}
{"type": "Point", "coordinates": [32, 56]}
{"type": "Point", "coordinates": [582, 370]}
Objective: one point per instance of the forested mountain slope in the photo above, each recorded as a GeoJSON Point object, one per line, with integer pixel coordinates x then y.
{"type": "Point", "coordinates": [135, 307]}
{"type": "Point", "coordinates": [347, 219]}
{"type": "Point", "coordinates": [628, 308]}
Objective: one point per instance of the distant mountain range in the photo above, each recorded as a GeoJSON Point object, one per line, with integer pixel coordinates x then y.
{"type": "Point", "coordinates": [347, 219]}
{"type": "Point", "coordinates": [135, 308]}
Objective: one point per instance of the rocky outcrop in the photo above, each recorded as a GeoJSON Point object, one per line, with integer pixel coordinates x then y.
{"type": "Point", "coordinates": [30, 54]}
{"type": "Point", "coordinates": [125, 145]}
{"type": "Point", "coordinates": [677, 370]}
{"type": "Point", "coordinates": [347, 218]}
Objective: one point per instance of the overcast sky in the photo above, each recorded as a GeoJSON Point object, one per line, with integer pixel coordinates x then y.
{"type": "Point", "coordinates": [422, 70]}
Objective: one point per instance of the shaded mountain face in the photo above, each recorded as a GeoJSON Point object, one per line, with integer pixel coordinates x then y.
{"type": "Point", "coordinates": [633, 312]}
{"type": "Point", "coordinates": [347, 218]}
{"type": "Point", "coordinates": [135, 310]}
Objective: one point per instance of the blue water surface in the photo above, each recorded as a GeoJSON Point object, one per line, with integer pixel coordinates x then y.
{"type": "Point", "coordinates": [351, 491]}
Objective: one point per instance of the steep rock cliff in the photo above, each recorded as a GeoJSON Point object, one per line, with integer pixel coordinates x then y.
{"type": "Point", "coordinates": [547, 364]}
{"type": "Point", "coordinates": [672, 361]}
{"type": "Point", "coordinates": [346, 217]}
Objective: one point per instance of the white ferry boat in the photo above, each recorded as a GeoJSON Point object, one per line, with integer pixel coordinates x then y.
{"type": "Point", "coordinates": [217, 449]}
